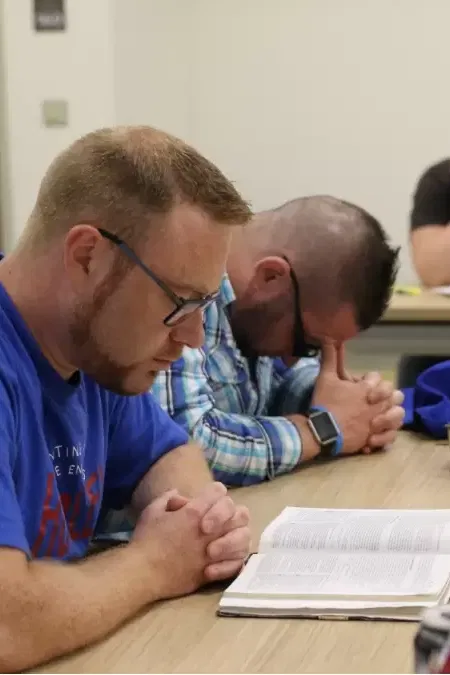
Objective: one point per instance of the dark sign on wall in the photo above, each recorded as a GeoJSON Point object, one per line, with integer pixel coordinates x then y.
{"type": "Point", "coordinates": [49, 15]}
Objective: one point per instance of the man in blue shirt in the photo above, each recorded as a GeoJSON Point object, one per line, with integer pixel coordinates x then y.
{"type": "Point", "coordinates": [127, 240]}
{"type": "Point", "coordinates": [307, 275]}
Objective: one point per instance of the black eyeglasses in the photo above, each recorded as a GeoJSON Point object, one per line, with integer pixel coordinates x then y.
{"type": "Point", "coordinates": [301, 346]}
{"type": "Point", "coordinates": [183, 306]}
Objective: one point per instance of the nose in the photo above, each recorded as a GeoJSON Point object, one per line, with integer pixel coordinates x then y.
{"type": "Point", "coordinates": [190, 332]}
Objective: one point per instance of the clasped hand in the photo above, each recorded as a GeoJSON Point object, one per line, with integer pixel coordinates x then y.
{"type": "Point", "coordinates": [189, 542]}
{"type": "Point", "coordinates": [368, 409]}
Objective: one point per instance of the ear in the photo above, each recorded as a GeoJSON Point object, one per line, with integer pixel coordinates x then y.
{"type": "Point", "coordinates": [87, 256]}
{"type": "Point", "coordinates": [271, 278]}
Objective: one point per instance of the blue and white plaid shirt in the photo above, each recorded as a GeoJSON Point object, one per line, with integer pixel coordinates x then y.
{"type": "Point", "coordinates": [233, 407]}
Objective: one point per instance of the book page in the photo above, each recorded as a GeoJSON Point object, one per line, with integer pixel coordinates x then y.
{"type": "Point", "coordinates": [343, 576]}
{"type": "Point", "coordinates": [441, 290]}
{"type": "Point", "coordinates": [400, 531]}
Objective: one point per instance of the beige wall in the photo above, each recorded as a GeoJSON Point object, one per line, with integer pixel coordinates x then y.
{"type": "Point", "coordinates": [289, 97]}
{"type": "Point", "coordinates": [153, 62]}
{"type": "Point", "coordinates": [348, 97]}
{"type": "Point", "coordinates": [76, 65]}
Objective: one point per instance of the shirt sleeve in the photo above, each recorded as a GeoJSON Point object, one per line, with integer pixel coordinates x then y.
{"type": "Point", "coordinates": [12, 528]}
{"type": "Point", "coordinates": [295, 387]}
{"type": "Point", "coordinates": [141, 432]}
{"type": "Point", "coordinates": [241, 449]}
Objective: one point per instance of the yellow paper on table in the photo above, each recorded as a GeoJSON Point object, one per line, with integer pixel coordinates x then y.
{"type": "Point", "coordinates": [407, 290]}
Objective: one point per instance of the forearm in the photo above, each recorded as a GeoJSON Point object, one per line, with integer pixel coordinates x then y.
{"type": "Point", "coordinates": [184, 469]}
{"type": "Point", "coordinates": [51, 608]}
{"type": "Point", "coordinates": [245, 450]}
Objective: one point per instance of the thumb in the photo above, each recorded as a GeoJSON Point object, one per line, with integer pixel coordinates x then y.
{"type": "Point", "coordinates": [340, 363]}
{"type": "Point", "coordinates": [164, 502]}
{"type": "Point", "coordinates": [329, 360]}
{"type": "Point", "coordinates": [176, 502]}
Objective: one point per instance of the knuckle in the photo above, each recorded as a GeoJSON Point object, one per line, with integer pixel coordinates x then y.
{"type": "Point", "coordinates": [192, 510]}
{"type": "Point", "coordinates": [238, 540]}
{"type": "Point", "coordinates": [245, 536]}
{"type": "Point", "coordinates": [244, 514]}
{"type": "Point", "coordinates": [373, 378]}
{"type": "Point", "coordinates": [214, 549]}
{"type": "Point", "coordinates": [218, 488]}
{"type": "Point", "coordinates": [230, 505]}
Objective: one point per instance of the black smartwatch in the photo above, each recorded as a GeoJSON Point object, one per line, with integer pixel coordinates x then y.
{"type": "Point", "coordinates": [326, 431]}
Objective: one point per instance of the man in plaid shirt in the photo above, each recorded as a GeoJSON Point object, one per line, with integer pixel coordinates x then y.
{"type": "Point", "coordinates": [302, 279]}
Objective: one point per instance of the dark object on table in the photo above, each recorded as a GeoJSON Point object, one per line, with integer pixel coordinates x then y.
{"type": "Point", "coordinates": [431, 643]}
{"type": "Point", "coordinates": [411, 366]}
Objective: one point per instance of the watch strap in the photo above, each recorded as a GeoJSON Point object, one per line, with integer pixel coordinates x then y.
{"type": "Point", "coordinates": [330, 449]}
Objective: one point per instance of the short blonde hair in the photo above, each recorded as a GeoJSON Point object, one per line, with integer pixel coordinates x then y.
{"type": "Point", "coordinates": [118, 178]}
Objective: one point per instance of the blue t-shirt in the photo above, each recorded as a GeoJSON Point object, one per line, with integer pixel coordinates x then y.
{"type": "Point", "coordinates": [66, 447]}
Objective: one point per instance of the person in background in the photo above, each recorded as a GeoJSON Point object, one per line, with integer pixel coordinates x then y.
{"type": "Point", "coordinates": [125, 246]}
{"type": "Point", "coordinates": [429, 223]}
{"type": "Point", "coordinates": [302, 278]}
{"type": "Point", "coordinates": [430, 247]}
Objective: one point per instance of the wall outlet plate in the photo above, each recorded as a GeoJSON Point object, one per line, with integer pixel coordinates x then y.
{"type": "Point", "coordinates": [55, 113]}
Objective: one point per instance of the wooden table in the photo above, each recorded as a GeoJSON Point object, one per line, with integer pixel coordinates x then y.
{"type": "Point", "coordinates": [184, 636]}
{"type": "Point", "coordinates": [412, 325]}
{"type": "Point", "coordinates": [424, 308]}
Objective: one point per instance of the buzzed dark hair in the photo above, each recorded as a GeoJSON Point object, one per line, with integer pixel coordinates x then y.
{"type": "Point", "coordinates": [341, 254]}
{"type": "Point", "coordinates": [368, 280]}
{"type": "Point", "coordinates": [431, 199]}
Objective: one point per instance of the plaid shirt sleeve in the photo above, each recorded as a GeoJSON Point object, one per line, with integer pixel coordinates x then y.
{"type": "Point", "coordinates": [241, 449]}
{"type": "Point", "coordinates": [293, 387]}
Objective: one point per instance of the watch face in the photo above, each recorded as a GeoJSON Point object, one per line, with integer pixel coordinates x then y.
{"type": "Point", "coordinates": [324, 427]}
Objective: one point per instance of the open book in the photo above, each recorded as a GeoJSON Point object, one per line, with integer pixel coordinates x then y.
{"type": "Point", "coordinates": [333, 563]}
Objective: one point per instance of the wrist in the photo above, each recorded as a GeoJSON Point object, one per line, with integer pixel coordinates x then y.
{"type": "Point", "coordinates": [148, 568]}
{"type": "Point", "coordinates": [326, 431]}
{"type": "Point", "coordinates": [310, 447]}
